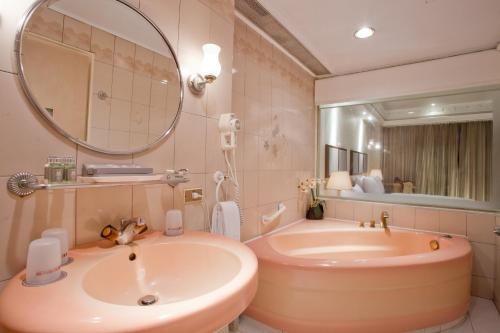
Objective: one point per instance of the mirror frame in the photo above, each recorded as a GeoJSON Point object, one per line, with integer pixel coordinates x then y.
{"type": "Point", "coordinates": [24, 84]}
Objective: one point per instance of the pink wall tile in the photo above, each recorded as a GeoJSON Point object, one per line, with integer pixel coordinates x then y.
{"type": "Point", "coordinates": [404, 216]}
{"type": "Point", "coordinates": [427, 219]}
{"type": "Point", "coordinates": [484, 259]}
{"type": "Point", "coordinates": [330, 209]}
{"type": "Point", "coordinates": [363, 211]}
{"type": "Point", "coordinates": [453, 222]}
{"type": "Point", "coordinates": [482, 287]}
{"type": "Point", "coordinates": [152, 203]}
{"type": "Point", "coordinates": [344, 209]}
{"type": "Point", "coordinates": [480, 227]}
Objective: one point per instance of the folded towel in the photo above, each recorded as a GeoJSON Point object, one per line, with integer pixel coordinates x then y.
{"type": "Point", "coordinates": [226, 219]}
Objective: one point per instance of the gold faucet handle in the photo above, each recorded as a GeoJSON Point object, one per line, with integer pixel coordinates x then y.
{"type": "Point", "coordinates": [372, 224]}
{"type": "Point", "coordinates": [109, 232]}
{"type": "Point", "coordinates": [361, 224]}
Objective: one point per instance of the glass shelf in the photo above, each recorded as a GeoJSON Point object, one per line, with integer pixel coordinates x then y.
{"type": "Point", "coordinates": [25, 183]}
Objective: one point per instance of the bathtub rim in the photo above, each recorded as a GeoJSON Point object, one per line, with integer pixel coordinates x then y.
{"type": "Point", "coordinates": [459, 249]}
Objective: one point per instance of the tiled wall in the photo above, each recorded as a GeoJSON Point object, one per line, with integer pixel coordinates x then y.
{"type": "Point", "coordinates": [141, 85]}
{"type": "Point", "coordinates": [26, 140]}
{"type": "Point", "coordinates": [476, 226]}
{"type": "Point", "coordinates": [274, 97]}
{"type": "Point", "coordinates": [271, 94]}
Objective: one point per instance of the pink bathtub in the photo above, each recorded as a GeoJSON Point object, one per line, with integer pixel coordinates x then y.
{"type": "Point", "coordinates": [331, 276]}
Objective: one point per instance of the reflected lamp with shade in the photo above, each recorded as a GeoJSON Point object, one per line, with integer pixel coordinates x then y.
{"type": "Point", "coordinates": [339, 180]}
{"type": "Point", "coordinates": [210, 69]}
{"type": "Point", "coordinates": [376, 173]}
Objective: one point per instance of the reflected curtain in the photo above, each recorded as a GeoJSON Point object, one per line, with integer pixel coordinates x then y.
{"type": "Point", "coordinates": [442, 159]}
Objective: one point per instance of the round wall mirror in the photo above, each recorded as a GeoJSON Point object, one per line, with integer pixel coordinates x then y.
{"type": "Point", "coordinates": [101, 73]}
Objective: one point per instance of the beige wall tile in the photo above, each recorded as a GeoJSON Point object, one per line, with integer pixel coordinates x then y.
{"type": "Point", "coordinates": [96, 208]}
{"type": "Point", "coordinates": [158, 95]}
{"type": "Point", "coordinates": [403, 216]}
{"type": "Point", "coordinates": [141, 90]}
{"type": "Point", "coordinates": [119, 119]}
{"type": "Point", "coordinates": [102, 45]}
{"type": "Point", "coordinates": [251, 152]}
{"type": "Point", "coordinates": [160, 157]}
{"type": "Point", "coordinates": [363, 211]}
{"type": "Point", "coordinates": [98, 137]}
{"type": "Point", "coordinates": [344, 209]}
{"type": "Point", "coordinates": [22, 220]}
{"type": "Point", "coordinates": [102, 78]}
{"type": "Point", "coordinates": [214, 155]}
{"type": "Point", "coordinates": [118, 140]}
{"type": "Point", "coordinates": [330, 209]}
{"type": "Point", "coordinates": [427, 219]}
{"type": "Point", "coordinates": [124, 55]}
{"type": "Point", "coordinates": [480, 227]}
{"type": "Point", "coordinates": [122, 84]}
{"type": "Point", "coordinates": [190, 136]}
{"type": "Point", "coordinates": [152, 202]}
{"type": "Point", "coordinates": [482, 287]}
{"type": "Point", "coordinates": [251, 189]}
{"type": "Point", "coordinates": [28, 151]}
{"type": "Point", "coordinates": [453, 222]}
{"type": "Point", "coordinates": [48, 23]}
{"type": "Point", "coordinates": [100, 111]}
{"type": "Point", "coordinates": [76, 33]}
{"type": "Point", "coordinates": [484, 259]}
{"type": "Point", "coordinates": [251, 223]}
{"type": "Point", "coordinates": [143, 62]}
{"type": "Point", "coordinates": [194, 214]}
{"type": "Point", "coordinates": [139, 118]}
{"type": "Point", "coordinates": [165, 15]}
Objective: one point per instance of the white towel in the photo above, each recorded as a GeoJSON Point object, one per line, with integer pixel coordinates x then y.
{"type": "Point", "coordinates": [226, 219]}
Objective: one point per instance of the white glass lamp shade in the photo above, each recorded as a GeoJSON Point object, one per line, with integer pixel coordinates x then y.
{"type": "Point", "coordinates": [376, 173]}
{"type": "Point", "coordinates": [210, 65]}
{"type": "Point", "coordinates": [339, 180]}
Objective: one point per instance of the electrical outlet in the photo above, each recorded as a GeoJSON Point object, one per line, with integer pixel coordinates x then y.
{"type": "Point", "coordinates": [189, 195]}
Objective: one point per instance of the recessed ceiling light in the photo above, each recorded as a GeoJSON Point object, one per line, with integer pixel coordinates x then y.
{"type": "Point", "coordinates": [433, 104]}
{"type": "Point", "coordinates": [370, 118]}
{"type": "Point", "coordinates": [411, 112]}
{"type": "Point", "coordinates": [364, 113]}
{"type": "Point", "coordinates": [364, 32]}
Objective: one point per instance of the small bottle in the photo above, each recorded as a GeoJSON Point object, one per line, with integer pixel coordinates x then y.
{"type": "Point", "coordinates": [56, 170]}
{"type": "Point", "coordinates": [46, 170]}
{"type": "Point", "coordinates": [69, 170]}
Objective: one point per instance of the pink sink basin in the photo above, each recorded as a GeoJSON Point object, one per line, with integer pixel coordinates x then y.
{"type": "Point", "coordinates": [197, 282]}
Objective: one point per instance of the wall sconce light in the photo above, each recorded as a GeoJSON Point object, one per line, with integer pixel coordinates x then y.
{"type": "Point", "coordinates": [209, 70]}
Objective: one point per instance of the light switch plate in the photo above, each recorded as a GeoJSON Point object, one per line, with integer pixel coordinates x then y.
{"type": "Point", "coordinates": [188, 195]}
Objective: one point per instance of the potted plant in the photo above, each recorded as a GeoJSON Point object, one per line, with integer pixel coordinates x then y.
{"type": "Point", "coordinates": [317, 206]}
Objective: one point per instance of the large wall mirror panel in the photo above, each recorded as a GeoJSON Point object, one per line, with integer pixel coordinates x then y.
{"type": "Point", "coordinates": [436, 149]}
{"type": "Point", "coordinates": [110, 85]}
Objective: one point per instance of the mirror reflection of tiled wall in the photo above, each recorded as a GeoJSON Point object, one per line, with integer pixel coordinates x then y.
{"type": "Point", "coordinates": [134, 90]}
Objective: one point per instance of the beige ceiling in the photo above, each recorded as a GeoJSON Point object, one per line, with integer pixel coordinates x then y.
{"type": "Point", "coordinates": [406, 30]}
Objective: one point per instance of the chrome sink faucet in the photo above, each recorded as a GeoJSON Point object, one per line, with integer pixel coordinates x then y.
{"type": "Point", "coordinates": [129, 228]}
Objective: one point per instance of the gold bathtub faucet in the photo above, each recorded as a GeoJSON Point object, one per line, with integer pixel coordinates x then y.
{"type": "Point", "coordinates": [383, 219]}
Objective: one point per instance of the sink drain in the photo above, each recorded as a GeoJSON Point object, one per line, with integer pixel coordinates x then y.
{"type": "Point", "coordinates": [147, 300]}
